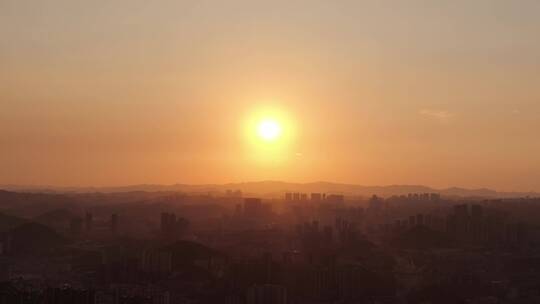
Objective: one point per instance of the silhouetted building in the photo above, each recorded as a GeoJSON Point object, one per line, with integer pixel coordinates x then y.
{"type": "Point", "coordinates": [461, 211]}
{"type": "Point", "coordinates": [172, 227]}
{"type": "Point", "coordinates": [461, 217]}
{"type": "Point", "coordinates": [75, 226]}
{"type": "Point", "coordinates": [316, 196]}
{"type": "Point", "coordinates": [238, 210]}
{"type": "Point", "coordinates": [88, 221]}
{"type": "Point", "coordinates": [419, 219]}
{"type": "Point", "coordinates": [164, 221]}
{"type": "Point", "coordinates": [68, 295]}
{"type": "Point", "coordinates": [335, 198]}
{"type": "Point", "coordinates": [476, 211]}
{"type": "Point", "coordinates": [266, 294]}
{"type": "Point", "coordinates": [233, 193]}
{"type": "Point", "coordinates": [375, 204]}
{"type": "Point", "coordinates": [253, 207]}
{"type": "Point", "coordinates": [156, 261]}
{"type": "Point", "coordinates": [114, 223]}
{"type": "Point", "coordinates": [412, 221]}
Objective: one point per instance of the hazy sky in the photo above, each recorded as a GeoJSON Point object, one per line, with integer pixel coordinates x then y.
{"type": "Point", "coordinates": [440, 93]}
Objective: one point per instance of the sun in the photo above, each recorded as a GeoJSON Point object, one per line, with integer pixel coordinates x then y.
{"type": "Point", "coordinates": [269, 130]}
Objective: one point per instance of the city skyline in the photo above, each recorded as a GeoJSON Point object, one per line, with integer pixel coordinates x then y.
{"type": "Point", "coordinates": [276, 189]}
{"type": "Point", "coordinates": [269, 152]}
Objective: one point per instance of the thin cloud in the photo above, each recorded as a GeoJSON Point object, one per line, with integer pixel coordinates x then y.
{"type": "Point", "coordinates": [441, 116]}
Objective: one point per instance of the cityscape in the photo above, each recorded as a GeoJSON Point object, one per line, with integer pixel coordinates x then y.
{"type": "Point", "coordinates": [269, 152]}
{"type": "Point", "coordinates": [226, 247]}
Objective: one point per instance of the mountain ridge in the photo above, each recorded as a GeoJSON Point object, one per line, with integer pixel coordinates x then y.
{"type": "Point", "coordinates": [275, 188]}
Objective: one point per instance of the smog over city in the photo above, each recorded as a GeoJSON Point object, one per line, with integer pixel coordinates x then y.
{"type": "Point", "coordinates": [269, 152]}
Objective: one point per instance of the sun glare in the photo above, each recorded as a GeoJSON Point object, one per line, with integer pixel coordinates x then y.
{"type": "Point", "coordinates": [269, 130]}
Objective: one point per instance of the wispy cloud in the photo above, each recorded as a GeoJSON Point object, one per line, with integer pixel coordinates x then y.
{"type": "Point", "coordinates": [441, 116]}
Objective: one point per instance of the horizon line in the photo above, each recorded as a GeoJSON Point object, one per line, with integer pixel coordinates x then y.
{"type": "Point", "coordinates": [53, 187]}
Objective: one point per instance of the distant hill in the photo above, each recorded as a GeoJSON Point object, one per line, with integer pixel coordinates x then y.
{"type": "Point", "coordinates": [8, 222]}
{"type": "Point", "coordinates": [277, 188]}
{"type": "Point", "coordinates": [56, 217]}
{"type": "Point", "coordinates": [30, 204]}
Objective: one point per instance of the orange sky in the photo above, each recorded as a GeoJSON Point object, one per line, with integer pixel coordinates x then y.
{"type": "Point", "coordinates": [441, 93]}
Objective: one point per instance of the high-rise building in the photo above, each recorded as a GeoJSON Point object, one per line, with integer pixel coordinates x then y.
{"type": "Point", "coordinates": [461, 216]}
{"type": "Point", "coordinates": [476, 225]}
{"type": "Point", "coordinates": [266, 294]}
{"type": "Point", "coordinates": [335, 198]}
{"type": "Point", "coordinates": [316, 196]}
{"type": "Point", "coordinates": [114, 223]}
{"type": "Point", "coordinates": [253, 207]}
{"type": "Point", "coordinates": [233, 193]}
{"type": "Point", "coordinates": [156, 261]}
{"type": "Point", "coordinates": [461, 211]}
{"type": "Point", "coordinates": [328, 234]}
{"type": "Point", "coordinates": [168, 222]}
{"type": "Point", "coordinates": [171, 226]}
{"type": "Point", "coordinates": [75, 226]}
{"type": "Point", "coordinates": [476, 211]}
{"type": "Point", "coordinates": [375, 204]}
{"type": "Point", "coordinates": [238, 210]}
{"type": "Point", "coordinates": [88, 221]}
{"type": "Point", "coordinates": [68, 295]}
{"type": "Point", "coordinates": [164, 221]}
{"type": "Point", "coordinates": [419, 219]}
{"type": "Point", "coordinates": [412, 221]}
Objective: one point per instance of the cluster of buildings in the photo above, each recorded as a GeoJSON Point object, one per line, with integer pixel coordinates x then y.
{"type": "Point", "coordinates": [77, 226]}
{"type": "Point", "coordinates": [314, 197]}
{"type": "Point", "coordinates": [316, 248]}
{"type": "Point", "coordinates": [172, 226]}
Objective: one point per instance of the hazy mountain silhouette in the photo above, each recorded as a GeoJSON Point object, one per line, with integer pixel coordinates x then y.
{"type": "Point", "coordinates": [55, 218]}
{"type": "Point", "coordinates": [32, 203]}
{"type": "Point", "coordinates": [277, 188]}
{"type": "Point", "coordinates": [8, 222]}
